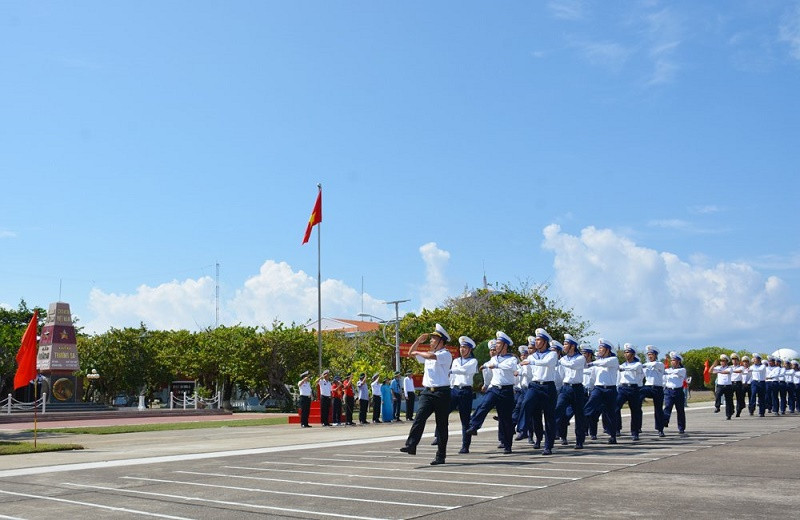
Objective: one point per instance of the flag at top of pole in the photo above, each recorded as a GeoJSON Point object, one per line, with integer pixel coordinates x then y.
{"type": "Point", "coordinates": [26, 356]}
{"type": "Point", "coordinates": [316, 216]}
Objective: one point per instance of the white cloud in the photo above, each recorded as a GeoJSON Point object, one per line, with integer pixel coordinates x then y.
{"type": "Point", "coordinates": [673, 223]}
{"type": "Point", "coordinates": [174, 305]}
{"type": "Point", "coordinates": [567, 9]}
{"type": "Point", "coordinates": [7, 234]}
{"type": "Point", "coordinates": [632, 293]}
{"type": "Point", "coordinates": [605, 53]}
{"type": "Point", "coordinates": [789, 31]}
{"type": "Point", "coordinates": [705, 210]}
{"type": "Point", "coordinates": [435, 290]}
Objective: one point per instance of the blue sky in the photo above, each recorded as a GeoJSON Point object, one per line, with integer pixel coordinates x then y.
{"type": "Point", "coordinates": [640, 158]}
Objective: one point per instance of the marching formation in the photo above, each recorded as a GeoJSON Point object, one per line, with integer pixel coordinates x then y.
{"type": "Point", "coordinates": [540, 388]}
{"type": "Point", "coordinates": [536, 395]}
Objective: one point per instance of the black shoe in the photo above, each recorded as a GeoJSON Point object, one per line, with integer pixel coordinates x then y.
{"type": "Point", "coordinates": [661, 434]}
{"type": "Point", "coordinates": [507, 451]}
{"type": "Point", "coordinates": [411, 450]}
{"type": "Point", "coordinates": [537, 445]}
{"type": "Point", "coordinates": [716, 410]}
{"type": "Point", "coordinates": [496, 418]}
{"type": "Point", "coordinates": [564, 442]}
{"type": "Point", "coordinates": [681, 431]}
{"type": "Point", "coordinates": [761, 415]}
{"type": "Point", "coordinates": [593, 437]}
{"type": "Point", "coordinates": [519, 436]}
{"type": "Point", "coordinates": [578, 446]}
{"type": "Point", "coordinates": [547, 451]}
{"type": "Point", "coordinates": [635, 437]}
{"type": "Point", "coordinates": [501, 445]}
{"type": "Point", "coordinates": [738, 413]}
{"type": "Point", "coordinates": [435, 442]}
{"type": "Point", "coordinates": [437, 461]}
{"type": "Point", "coordinates": [471, 431]}
{"type": "Point", "coordinates": [666, 424]}
{"type": "Point", "coordinates": [612, 440]}
{"type": "Point", "coordinates": [462, 451]}
{"type": "Point", "coordinates": [376, 421]}
{"type": "Point", "coordinates": [728, 418]}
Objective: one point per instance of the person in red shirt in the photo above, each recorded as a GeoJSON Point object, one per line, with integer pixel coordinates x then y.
{"type": "Point", "coordinates": [349, 399]}
{"type": "Point", "coordinates": [337, 391]}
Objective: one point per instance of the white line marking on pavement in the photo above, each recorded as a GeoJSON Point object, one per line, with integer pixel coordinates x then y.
{"type": "Point", "coordinates": [89, 504]}
{"type": "Point", "coordinates": [273, 492]}
{"type": "Point", "coordinates": [451, 472]}
{"type": "Point", "coordinates": [384, 477]}
{"type": "Point", "coordinates": [4, 517]}
{"type": "Point", "coordinates": [220, 502]}
{"type": "Point", "coordinates": [313, 483]}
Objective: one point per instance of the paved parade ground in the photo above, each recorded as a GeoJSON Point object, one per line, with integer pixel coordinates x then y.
{"type": "Point", "coordinates": [743, 468]}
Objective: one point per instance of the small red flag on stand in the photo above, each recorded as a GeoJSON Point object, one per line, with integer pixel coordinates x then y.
{"type": "Point", "coordinates": [26, 356]}
{"type": "Point", "coordinates": [316, 217]}
{"type": "Point", "coordinates": [706, 373]}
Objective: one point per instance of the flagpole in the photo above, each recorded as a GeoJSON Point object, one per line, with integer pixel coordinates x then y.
{"type": "Point", "coordinates": [35, 397]}
{"type": "Point", "coordinates": [319, 288]}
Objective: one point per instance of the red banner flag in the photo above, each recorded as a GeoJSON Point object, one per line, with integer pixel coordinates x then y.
{"type": "Point", "coordinates": [26, 356]}
{"type": "Point", "coordinates": [316, 217]}
{"type": "Point", "coordinates": [706, 373]}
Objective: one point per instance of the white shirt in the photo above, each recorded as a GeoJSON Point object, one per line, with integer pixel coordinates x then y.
{"type": "Point", "coordinates": [606, 371]}
{"type": "Point", "coordinates": [674, 377]}
{"type": "Point", "coordinates": [376, 387]}
{"type": "Point", "coordinates": [305, 388]}
{"type": "Point", "coordinates": [631, 373]}
{"type": "Point", "coordinates": [408, 384]}
{"type": "Point", "coordinates": [723, 374]}
{"type": "Point", "coordinates": [573, 367]}
{"type": "Point", "coordinates": [653, 373]}
{"type": "Point", "coordinates": [773, 373]}
{"type": "Point", "coordinates": [737, 372]}
{"type": "Point", "coordinates": [503, 368]}
{"type": "Point", "coordinates": [758, 372]}
{"type": "Point", "coordinates": [324, 388]}
{"type": "Point", "coordinates": [781, 374]}
{"type": "Point", "coordinates": [588, 378]}
{"type": "Point", "coordinates": [789, 374]}
{"type": "Point", "coordinates": [462, 371]}
{"type": "Point", "coordinates": [544, 365]}
{"type": "Point", "coordinates": [437, 370]}
{"type": "Point", "coordinates": [746, 377]}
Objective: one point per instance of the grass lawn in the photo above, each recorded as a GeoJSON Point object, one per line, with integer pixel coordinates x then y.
{"type": "Point", "coordinates": [133, 428]}
{"type": "Point", "coordinates": [17, 448]}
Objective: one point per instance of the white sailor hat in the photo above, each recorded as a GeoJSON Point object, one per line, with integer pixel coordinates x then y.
{"type": "Point", "coordinates": [652, 348]}
{"type": "Point", "coordinates": [675, 355]}
{"type": "Point", "coordinates": [531, 340]}
{"type": "Point", "coordinates": [795, 362]}
{"type": "Point", "coordinates": [466, 341]}
{"type": "Point", "coordinates": [745, 358]}
{"type": "Point", "coordinates": [602, 342]}
{"type": "Point", "coordinates": [569, 339]}
{"type": "Point", "coordinates": [502, 336]}
{"type": "Point", "coordinates": [734, 355]}
{"type": "Point", "coordinates": [375, 376]}
{"type": "Point", "coordinates": [541, 333]}
{"type": "Point", "coordinates": [771, 358]}
{"type": "Point", "coordinates": [304, 374]}
{"type": "Point", "coordinates": [724, 356]}
{"type": "Point", "coordinates": [587, 347]}
{"type": "Point", "coordinates": [397, 373]}
{"type": "Point", "coordinates": [441, 333]}
{"type": "Point", "coordinates": [756, 355]}
{"type": "Point", "coordinates": [492, 344]}
{"type": "Point", "coordinates": [523, 349]}
{"type": "Point", "coordinates": [627, 347]}
{"type": "Point", "coordinates": [556, 345]}
{"type": "Point", "coordinates": [326, 372]}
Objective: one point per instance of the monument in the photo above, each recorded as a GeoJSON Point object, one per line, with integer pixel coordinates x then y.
{"type": "Point", "coordinates": [58, 355]}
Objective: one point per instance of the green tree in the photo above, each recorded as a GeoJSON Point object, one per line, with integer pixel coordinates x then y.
{"type": "Point", "coordinates": [12, 326]}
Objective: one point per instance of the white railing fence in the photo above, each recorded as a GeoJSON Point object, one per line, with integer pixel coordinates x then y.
{"type": "Point", "coordinates": [193, 402]}
{"type": "Point", "coordinates": [10, 404]}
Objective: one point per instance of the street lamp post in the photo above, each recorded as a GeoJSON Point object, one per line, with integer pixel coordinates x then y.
{"type": "Point", "coordinates": [396, 304]}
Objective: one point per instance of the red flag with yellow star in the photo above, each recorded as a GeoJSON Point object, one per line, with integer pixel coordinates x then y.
{"type": "Point", "coordinates": [316, 217]}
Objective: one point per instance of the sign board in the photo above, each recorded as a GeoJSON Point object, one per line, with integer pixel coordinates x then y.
{"type": "Point", "coordinates": [405, 347]}
{"type": "Point", "coordinates": [178, 388]}
{"type": "Point", "coordinates": [58, 349]}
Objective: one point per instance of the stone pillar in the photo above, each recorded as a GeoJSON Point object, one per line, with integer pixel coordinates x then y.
{"type": "Point", "coordinates": [58, 355]}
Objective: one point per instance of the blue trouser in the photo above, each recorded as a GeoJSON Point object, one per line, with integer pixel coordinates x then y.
{"type": "Point", "coordinates": [675, 396]}
{"type": "Point", "coordinates": [782, 394]}
{"type": "Point", "coordinates": [571, 397]}
{"type": "Point", "coordinates": [656, 393]}
{"type": "Point", "coordinates": [772, 396]}
{"type": "Point", "coordinates": [630, 394]}
{"type": "Point", "coordinates": [791, 396]}
{"type": "Point", "coordinates": [758, 390]}
{"type": "Point", "coordinates": [519, 395]}
{"type": "Point", "coordinates": [500, 398]}
{"type": "Point", "coordinates": [603, 399]}
{"type": "Point", "coordinates": [541, 398]}
{"type": "Point", "coordinates": [461, 400]}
